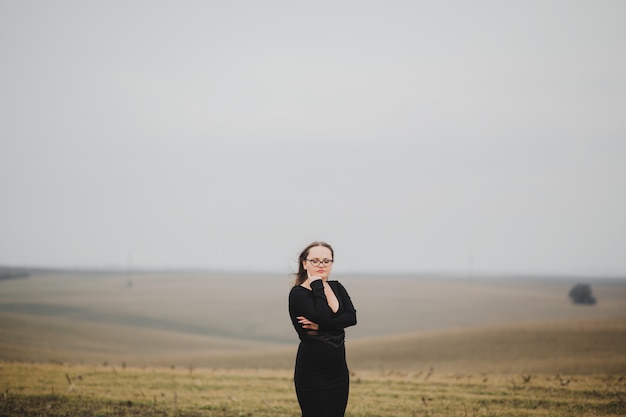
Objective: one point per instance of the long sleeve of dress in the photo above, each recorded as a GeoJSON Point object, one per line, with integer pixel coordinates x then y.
{"type": "Point", "coordinates": [347, 316]}
{"type": "Point", "coordinates": [314, 306]}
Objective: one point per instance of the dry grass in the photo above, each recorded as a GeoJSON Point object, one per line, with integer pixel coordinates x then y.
{"type": "Point", "coordinates": [581, 346]}
{"type": "Point", "coordinates": [60, 390]}
{"type": "Point", "coordinates": [222, 345]}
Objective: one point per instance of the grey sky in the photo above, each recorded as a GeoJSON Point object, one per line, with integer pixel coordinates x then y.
{"type": "Point", "coordinates": [413, 136]}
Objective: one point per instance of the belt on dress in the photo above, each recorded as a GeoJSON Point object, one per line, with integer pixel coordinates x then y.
{"type": "Point", "coordinates": [335, 341]}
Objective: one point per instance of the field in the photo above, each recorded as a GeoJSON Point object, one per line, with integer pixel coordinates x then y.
{"type": "Point", "coordinates": [198, 344]}
{"type": "Point", "coordinates": [71, 390]}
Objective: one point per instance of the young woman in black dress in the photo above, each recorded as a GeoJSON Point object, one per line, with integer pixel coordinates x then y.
{"type": "Point", "coordinates": [320, 310]}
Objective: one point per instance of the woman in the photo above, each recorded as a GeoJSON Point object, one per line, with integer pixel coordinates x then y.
{"type": "Point", "coordinates": [320, 310]}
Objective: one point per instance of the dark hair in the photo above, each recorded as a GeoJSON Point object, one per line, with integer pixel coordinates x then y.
{"type": "Point", "coordinates": [301, 275]}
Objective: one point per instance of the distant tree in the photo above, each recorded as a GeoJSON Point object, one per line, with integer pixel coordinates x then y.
{"type": "Point", "coordinates": [581, 294]}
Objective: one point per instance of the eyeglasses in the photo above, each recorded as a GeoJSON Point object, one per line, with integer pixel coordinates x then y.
{"type": "Point", "coordinates": [317, 262]}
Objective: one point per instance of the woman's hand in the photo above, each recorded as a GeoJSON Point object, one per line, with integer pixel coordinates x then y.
{"type": "Point", "coordinates": [309, 280]}
{"type": "Point", "coordinates": [312, 278]}
{"type": "Point", "coordinates": [307, 324]}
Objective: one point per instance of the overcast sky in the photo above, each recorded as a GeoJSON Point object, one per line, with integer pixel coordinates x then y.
{"type": "Point", "coordinates": [412, 135]}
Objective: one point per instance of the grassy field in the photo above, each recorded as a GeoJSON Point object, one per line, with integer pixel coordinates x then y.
{"type": "Point", "coordinates": [167, 318]}
{"type": "Point", "coordinates": [579, 347]}
{"type": "Point", "coordinates": [71, 390]}
{"type": "Point", "coordinates": [195, 344]}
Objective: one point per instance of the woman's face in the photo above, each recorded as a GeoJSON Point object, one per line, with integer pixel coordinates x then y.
{"type": "Point", "coordinates": [319, 253]}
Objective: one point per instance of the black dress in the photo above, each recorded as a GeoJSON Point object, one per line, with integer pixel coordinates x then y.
{"type": "Point", "coordinates": [321, 374]}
